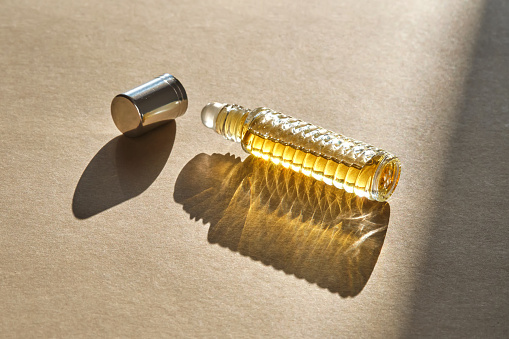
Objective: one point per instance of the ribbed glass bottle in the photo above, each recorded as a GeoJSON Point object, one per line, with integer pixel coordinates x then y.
{"type": "Point", "coordinates": [333, 158]}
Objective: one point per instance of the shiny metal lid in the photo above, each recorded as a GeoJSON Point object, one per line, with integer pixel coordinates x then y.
{"type": "Point", "coordinates": [147, 106]}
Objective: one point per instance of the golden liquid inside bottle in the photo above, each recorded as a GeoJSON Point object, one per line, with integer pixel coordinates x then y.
{"type": "Point", "coordinates": [324, 155]}
{"type": "Point", "coordinates": [351, 179]}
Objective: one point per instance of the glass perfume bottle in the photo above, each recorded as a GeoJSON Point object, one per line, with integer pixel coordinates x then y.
{"type": "Point", "coordinates": [327, 156]}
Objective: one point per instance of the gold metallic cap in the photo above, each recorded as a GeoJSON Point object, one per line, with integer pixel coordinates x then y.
{"type": "Point", "coordinates": [147, 106]}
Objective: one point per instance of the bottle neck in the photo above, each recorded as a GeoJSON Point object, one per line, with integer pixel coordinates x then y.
{"type": "Point", "coordinates": [230, 122]}
{"type": "Point", "coordinates": [227, 120]}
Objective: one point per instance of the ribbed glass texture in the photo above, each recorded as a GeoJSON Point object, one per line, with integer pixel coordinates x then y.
{"type": "Point", "coordinates": [327, 156]}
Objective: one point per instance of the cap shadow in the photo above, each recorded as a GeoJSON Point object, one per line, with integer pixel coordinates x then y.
{"type": "Point", "coordinates": [121, 170]}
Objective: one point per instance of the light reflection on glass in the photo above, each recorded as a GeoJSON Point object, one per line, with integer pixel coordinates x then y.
{"type": "Point", "coordinates": [285, 220]}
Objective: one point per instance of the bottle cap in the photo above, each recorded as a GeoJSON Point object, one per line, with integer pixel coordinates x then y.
{"type": "Point", "coordinates": [147, 106]}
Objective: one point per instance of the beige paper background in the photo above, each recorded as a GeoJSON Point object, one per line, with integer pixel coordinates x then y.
{"type": "Point", "coordinates": [96, 241]}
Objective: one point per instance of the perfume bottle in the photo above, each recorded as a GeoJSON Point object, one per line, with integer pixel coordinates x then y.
{"type": "Point", "coordinates": [327, 156]}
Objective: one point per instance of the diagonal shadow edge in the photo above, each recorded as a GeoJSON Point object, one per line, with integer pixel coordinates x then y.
{"type": "Point", "coordinates": [461, 290]}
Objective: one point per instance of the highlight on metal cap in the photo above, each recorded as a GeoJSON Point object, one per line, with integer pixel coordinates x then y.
{"type": "Point", "coordinates": [149, 105]}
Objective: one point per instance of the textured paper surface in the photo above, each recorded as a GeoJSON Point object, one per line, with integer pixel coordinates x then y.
{"type": "Point", "coordinates": [102, 236]}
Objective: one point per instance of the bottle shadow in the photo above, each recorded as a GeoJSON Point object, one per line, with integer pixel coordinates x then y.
{"type": "Point", "coordinates": [285, 220]}
{"type": "Point", "coordinates": [121, 170]}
